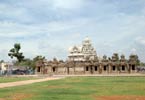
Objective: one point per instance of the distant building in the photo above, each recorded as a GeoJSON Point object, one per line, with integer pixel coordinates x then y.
{"type": "Point", "coordinates": [5, 67]}
{"type": "Point", "coordinates": [83, 59]}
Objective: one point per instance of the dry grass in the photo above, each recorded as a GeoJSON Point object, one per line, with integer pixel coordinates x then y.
{"type": "Point", "coordinates": [128, 97]}
{"type": "Point", "coordinates": [17, 96]}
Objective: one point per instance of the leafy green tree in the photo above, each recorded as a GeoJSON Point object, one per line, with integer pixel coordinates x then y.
{"type": "Point", "coordinates": [15, 52]}
{"type": "Point", "coordinates": [31, 63]}
{"type": "Point", "coordinates": [142, 64]}
{"type": "Point", "coordinates": [25, 62]}
{"type": "Point", "coordinates": [2, 61]}
{"type": "Point", "coordinates": [38, 58]}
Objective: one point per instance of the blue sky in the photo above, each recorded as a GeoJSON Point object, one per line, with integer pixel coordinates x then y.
{"type": "Point", "coordinates": [50, 27]}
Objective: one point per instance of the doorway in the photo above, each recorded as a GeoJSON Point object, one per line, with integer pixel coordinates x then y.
{"type": "Point", "coordinates": [133, 67]}
{"type": "Point", "coordinates": [113, 68]}
{"type": "Point", "coordinates": [105, 68]}
{"type": "Point", "coordinates": [123, 68]}
{"type": "Point", "coordinates": [53, 69]}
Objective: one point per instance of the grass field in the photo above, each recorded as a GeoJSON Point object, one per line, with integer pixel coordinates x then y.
{"type": "Point", "coordinates": [80, 88]}
{"type": "Point", "coordinates": [14, 79]}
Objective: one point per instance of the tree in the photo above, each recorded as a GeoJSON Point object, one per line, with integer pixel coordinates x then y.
{"type": "Point", "coordinates": [37, 60]}
{"type": "Point", "coordinates": [142, 64]}
{"type": "Point", "coordinates": [31, 63]}
{"type": "Point", "coordinates": [15, 52]}
{"type": "Point", "coordinates": [2, 61]}
{"type": "Point", "coordinates": [26, 63]}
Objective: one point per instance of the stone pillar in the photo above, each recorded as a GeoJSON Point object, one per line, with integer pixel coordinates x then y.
{"type": "Point", "coordinates": [100, 69]}
{"type": "Point", "coordinates": [129, 68]}
{"type": "Point", "coordinates": [109, 68]}
{"type": "Point", "coordinates": [84, 70]}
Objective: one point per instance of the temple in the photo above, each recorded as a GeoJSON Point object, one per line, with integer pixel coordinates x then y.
{"type": "Point", "coordinates": [83, 59]}
{"type": "Point", "coordinates": [83, 52]}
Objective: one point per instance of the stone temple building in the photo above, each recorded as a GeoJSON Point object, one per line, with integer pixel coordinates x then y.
{"type": "Point", "coordinates": [83, 52]}
{"type": "Point", "coordinates": [84, 60]}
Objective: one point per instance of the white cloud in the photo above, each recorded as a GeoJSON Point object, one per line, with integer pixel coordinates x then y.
{"type": "Point", "coordinates": [61, 23]}
{"type": "Point", "coordinates": [10, 29]}
{"type": "Point", "coordinates": [13, 29]}
{"type": "Point", "coordinates": [67, 4]}
{"type": "Point", "coordinates": [133, 51]}
{"type": "Point", "coordinates": [140, 40]}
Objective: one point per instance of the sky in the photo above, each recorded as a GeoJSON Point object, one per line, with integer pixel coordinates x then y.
{"type": "Point", "coordinates": [50, 27]}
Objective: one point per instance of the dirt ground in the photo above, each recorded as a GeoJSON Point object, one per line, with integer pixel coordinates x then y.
{"type": "Point", "coordinates": [129, 97]}
{"type": "Point", "coordinates": [11, 84]}
{"type": "Point", "coordinates": [18, 96]}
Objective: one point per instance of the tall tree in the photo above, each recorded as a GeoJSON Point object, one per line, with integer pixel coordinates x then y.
{"type": "Point", "coordinates": [15, 52]}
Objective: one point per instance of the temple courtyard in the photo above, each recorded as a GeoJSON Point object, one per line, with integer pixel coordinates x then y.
{"type": "Point", "coordinates": [78, 88]}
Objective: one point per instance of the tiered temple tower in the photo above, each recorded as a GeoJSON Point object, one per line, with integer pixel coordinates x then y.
{"type": "Point", "coordinates": [82, 53]}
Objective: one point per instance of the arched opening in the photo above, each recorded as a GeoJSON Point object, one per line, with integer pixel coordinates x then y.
{"type": "Point", "coordinates": [133, 67]}
{"type": "Point", "coordinates": [123, 68]}
{"type": "Point", "coordinates": [96, 68]}
{"type": "Point", "coordinates": [113, 68]}
{"type": "Point", "coordinates": [53, 69]}
{"type": "Point", "coordinates": [87, 68]}
{"type": "Point", "coordinates": [38, 69]}
{"type": "Point", "coordinates": [105, 68]}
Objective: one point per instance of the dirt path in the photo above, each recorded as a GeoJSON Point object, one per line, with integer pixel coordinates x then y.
{"type": "Point", "coordinates": [11, 84]}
